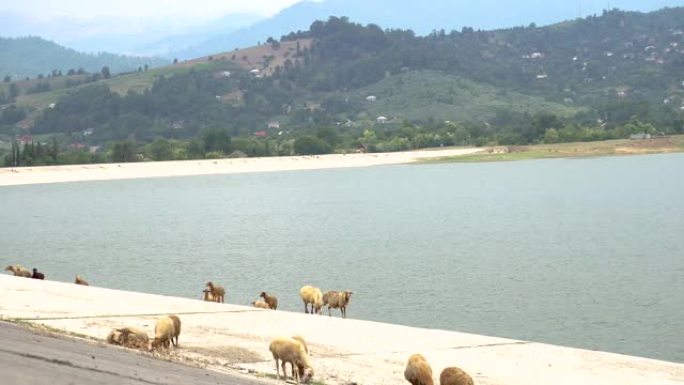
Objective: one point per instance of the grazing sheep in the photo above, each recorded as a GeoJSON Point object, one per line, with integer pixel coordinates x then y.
{"type": "Point", "coordinates": [418, 371]}
{"type": "Point", "coordinates": [271, 300]}
{"type": "Point", "coordinates": [81, 281]}
{"type": "Point", "coordinates": [455, 376]}
{"type": "Point", "coordinates": [337, 299]}
{"type": "Point", "coordinates": [286, 350]}
{"type": "Point", "coordinates": [306, 349]}
{"type": "Point", "coordinates": [164, 331]}
{"type": "Point", "coordinates": [260, 305]}
{"type": "Point", "coordinates": [217, 291]}
{"type": "Point", "coordinates": [19, 271]}
{"type": "Point", "coordinates": [129, 337]}
{"type": "Point", "coordinates": [311, 295]}
{"type": "Point", "coordinates": [176, 329]}
{"type": "Point", "coordinates": [37, 274]}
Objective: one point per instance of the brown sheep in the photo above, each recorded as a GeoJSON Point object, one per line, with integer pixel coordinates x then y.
{"type": "Point", "coordinates": [37, 274]}
{"type": "Point", "coordinates": [286, 350]}
{"type": "Point", "coordinates": [455, 376]}
{"type": "Point", "coordinates": [176, 329]}
{"type": "Point", "coordinates": [260, 305]}
{"type": "Point", "coordinates": [19, 271]}
{"type": "Point", "coordinates": [311, 295]}
{"type": "Point", "coordinates": [164, 331]}
{"type": "Point", "coordinates": [129, 337]}
{"type": "Point", "coordinates": [217, 291]}
{"type": "Point", "coordinates": [81, 281]}
{"type": "Point", "coordinates": [418, 371]}
{"type": "Point", "coordinates": [337, 299]}
{"type": "Point", "coordinates": [271, 300]}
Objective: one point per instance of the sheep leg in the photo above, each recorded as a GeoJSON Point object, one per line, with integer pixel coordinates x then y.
{"type": "Point", "coordinates": [283, 363]}
{"type": "Point", "coordinates": [344, 312]}
{"type": "Point", "coordinates": [277, 370]}
{"type": "Point", "coordinates": [306, 308]}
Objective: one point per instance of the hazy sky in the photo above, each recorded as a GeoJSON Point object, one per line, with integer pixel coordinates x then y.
{"type": "Point", "coordinates": [142, 8]}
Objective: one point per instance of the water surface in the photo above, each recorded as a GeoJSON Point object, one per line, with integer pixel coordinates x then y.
{"type": "Point", "coordinates": [578, 252]}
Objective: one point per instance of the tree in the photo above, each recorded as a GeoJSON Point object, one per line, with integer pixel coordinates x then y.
{"type": "Point", "coordinates": [551, 136]}
{"type": "Point", "coordinates": [175, 61]}
{"type": "Point", "coordinates": [7, 79]}
{"type": "Point", "coordinates": [105, 72]}
{"type": "Point", "coordinates": [123, 152]}
{"type": "Point", "coordinates": [217, 140]}
{"type": "Point", "coordinates": [310, 145]}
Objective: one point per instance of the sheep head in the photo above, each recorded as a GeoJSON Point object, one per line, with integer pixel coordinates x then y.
{"type": "Point", "coordinates": [307, 375]}
{"type": "Point", "coordinates": [263, 294]}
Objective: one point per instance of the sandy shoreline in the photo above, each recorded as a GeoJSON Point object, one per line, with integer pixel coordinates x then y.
{"type": "Point", "coordinates": [113, 171]}
{"type": "Point", "coordinates": [233, 338]}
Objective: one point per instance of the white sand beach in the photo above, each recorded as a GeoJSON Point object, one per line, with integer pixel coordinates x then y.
{"type": "Point", "coordinates": [112, 171]}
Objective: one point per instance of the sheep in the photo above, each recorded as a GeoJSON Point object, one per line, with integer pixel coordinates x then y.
{"type": "Point", "coordinates": [81, 281]}
{"type": "Point", "coordinates": [286, 350]}
{"type": "Point", "coordinates": [129, 337]}
{"type": "Point", "coordinates": [217, 291]}
{"type": "Point", "coordinates": [208, 296]}
{"type": "Point", "coordinates": [418, 371]}
{"type": "Point", "coordinates": [337, 299]}
{"type": "Point", "coordinates": [37, 274]}
{"type": "Point", "coordinates": [455, 376]}
{"type": "Point", "coordinates": [164, 331]}
{"type": "Point", "coordinates": [271, 300]}
{"type": "Point", "coordinates": [306, 349]}
{"type": "Point", "coordinates": [311, 295]}
{"type": "Point", "coordinates": [19, 271]}
{"type": "Point", "coordinates": [260, 305]}
{"type": "Point", "coordinates": [176, 329]}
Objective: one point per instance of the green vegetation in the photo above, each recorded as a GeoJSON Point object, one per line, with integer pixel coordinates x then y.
{"type": "Point", "coordinates": [361, 88]}
{"type": "Point", "coordinates": [32, 56]}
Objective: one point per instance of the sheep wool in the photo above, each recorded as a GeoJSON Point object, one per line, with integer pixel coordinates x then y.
{"type": "Point", "coordinates": [418, 371]}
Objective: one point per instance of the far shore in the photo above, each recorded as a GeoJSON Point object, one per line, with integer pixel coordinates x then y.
{"type": "Point", "coordinates": [114, 171]}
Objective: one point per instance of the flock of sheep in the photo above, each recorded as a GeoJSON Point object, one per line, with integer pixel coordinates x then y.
{"type": "Point", "coordinates": [21, 271]}
{"type": "Point", "coordinates": [292, 350]}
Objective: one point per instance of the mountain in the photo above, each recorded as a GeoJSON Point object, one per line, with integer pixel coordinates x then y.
{"type": "Point", "coordinates": [342, 85]}
{"type": "Point", "coordinates": [421, 17]}
{"type": "Point", "coordinates": [32, 56]}
{"type": "Point", "coordinates": [146, 37]}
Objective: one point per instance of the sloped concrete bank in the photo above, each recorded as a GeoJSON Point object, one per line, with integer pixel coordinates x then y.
{"type": "Point", "coordinates": [235, 338]}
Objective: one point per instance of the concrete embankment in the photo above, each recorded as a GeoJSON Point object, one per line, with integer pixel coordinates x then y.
{"type": "Point", "coordinates": [235, 338]}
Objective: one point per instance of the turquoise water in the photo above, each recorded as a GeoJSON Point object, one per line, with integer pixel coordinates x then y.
{"type": "Point", "coordinates": [579, 252]}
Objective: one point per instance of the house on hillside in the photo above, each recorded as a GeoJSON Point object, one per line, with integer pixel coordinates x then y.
{"type": "Point", "coordinates": [371, 98]}
{"type": "Point", "coordinates": [261, 134]}
{"type": "Point", "coordinates": [381, 120]}
{"type": "Point", "coordinates": [274, 124]}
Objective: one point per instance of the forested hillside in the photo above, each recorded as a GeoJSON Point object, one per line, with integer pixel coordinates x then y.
{"type": "Point", "coordinates": [33, 56]}
{"type": "Point", "coordinates": [383, 90]}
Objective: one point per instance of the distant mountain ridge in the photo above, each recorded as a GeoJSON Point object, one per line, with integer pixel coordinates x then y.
{"type": "Point", "coordinates": [421, 17]}
{"type": "Point", "coordinates": [32, 56]}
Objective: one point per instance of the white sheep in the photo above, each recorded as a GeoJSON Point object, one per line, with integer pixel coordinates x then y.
{"type": "Point", "coordinates": [164, 331]}
{"type": "Point", "coordinates": [261, 305]}
{"type": "Point", "coordinates": [311, 295]}
{"type": "Point", "coordinates": [455, 376]}
{"type": "Point", "coordinates": [337, 299]}
{"type": "Point", "coordinates": [19, 271]}
{"type": "Point", "coordinates": [286, 349]}
{"type": "Point", "coordinates": [418, 371]}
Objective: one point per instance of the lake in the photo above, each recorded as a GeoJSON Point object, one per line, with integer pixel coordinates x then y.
{"type": "Point", "coordinates": [580, 252]}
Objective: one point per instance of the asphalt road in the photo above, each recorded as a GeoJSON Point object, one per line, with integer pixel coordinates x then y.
{"type": "Point", "coordinates": [32, 358]}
